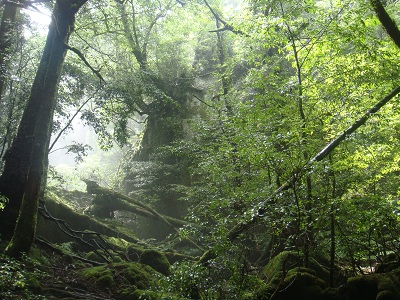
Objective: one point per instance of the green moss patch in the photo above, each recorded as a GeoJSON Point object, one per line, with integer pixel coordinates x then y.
{"type": "Point", "coordinates": [157, 261]}
{"type": "Point", "coordinates": [375, 287]}
{"type": "Point", "coordinates": [287, 280]}
{"type": "Point", "coordinates": [121, 279]}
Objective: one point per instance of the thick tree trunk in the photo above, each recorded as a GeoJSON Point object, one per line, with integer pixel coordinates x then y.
{"type": "Point", "coordinates": [6, 36]}
{"type": "Point", "coordinates": [26, 161]}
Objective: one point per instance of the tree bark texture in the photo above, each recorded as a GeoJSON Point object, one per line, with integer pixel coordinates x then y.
{"type": "Point", "coordinates": [6, 37]}
{"type": "Point", "coordinates": [26, 160]}
{"type": "Point", "coordinates": [387, 22]}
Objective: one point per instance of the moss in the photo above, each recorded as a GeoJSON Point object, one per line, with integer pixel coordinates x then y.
{"type": "Point", "coordinates": [121, 279]}
{"type": "Point", "coordinates": [99, 275]}
{"type": "Point", "coordinates": [157, 261]}
{"type": "Point", "coordinates": [59, 209]}
{"type": "Point", "coordinates": [273, 270]}
{"type": "Point", "coordinates": [332, 294]}
{"type": "Point", "coordinates": [106, 281]}
{"type": "Point", "coordinates": [152, 295]}
{"type": "Point", "coordinates": [294, 283]}
{"type": "Point", "coordinates": [208, 255]}
{"type": "Point", "coordinates": [300, 283]}
{"type": "Point", "coordinates": [134, 252]}
{"type": "Point", "coordinates": [94, 257]}
{"type": "Point", "coordinates": [376, 286]}
{"type": "Point", "coordinates": [129, 293]}
{"type": "Point", "coordinates": [42, 262]}
{"type": "Point", "coordinates": [260, 291]}
{"type": "Point", "coordinates": [119, 242]}
{"type": "Point", "coordinates": [134, 274]}
{"type": "Point", "coordinates": [387, 295]}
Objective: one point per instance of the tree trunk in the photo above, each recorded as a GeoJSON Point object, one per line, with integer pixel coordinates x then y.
{"type": "Point", "coordinates": [387, 22]}
{"type": "Point", "coordinates": [6, 35]}
{"type": "Point", "coordinates": [26, 161]}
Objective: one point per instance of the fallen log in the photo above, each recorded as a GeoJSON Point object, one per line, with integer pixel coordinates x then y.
{"type": "Point", "coordinates": [126, 203]}
{"type": "Point", "coordinates": [138, 207]}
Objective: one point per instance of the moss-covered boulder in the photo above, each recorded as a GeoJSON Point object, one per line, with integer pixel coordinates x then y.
{"type": "Point", "coordinates": [374, 287]}
{"type": "Point", "coordinates": [120, 279]}
{"type": "Point", "coordinates": [286, 279]}
{"type": "Point", "coordinates": [298, 283]}
{"type": "Point", "coordinates": [157, 261]}
{"type": "Point", "coordinates": [134, 252]}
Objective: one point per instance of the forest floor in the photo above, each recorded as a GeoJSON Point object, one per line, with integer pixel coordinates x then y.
{"type": "Point", "coordinates": [46, 275]}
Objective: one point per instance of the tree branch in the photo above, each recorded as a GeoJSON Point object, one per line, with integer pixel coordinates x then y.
{"type": "Point", "coordinates": [226, 25]}
{"type": "Point", "coordinates": [70, 121]}
{"type": "Point", "coordinates": [82, 57]}
{"type": "Point", "coordinates": [23, 4]}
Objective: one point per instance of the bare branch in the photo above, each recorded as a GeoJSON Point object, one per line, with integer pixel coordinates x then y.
{"type": "Point", "coordinates": [227, 27]}
{"type": "Point", "coordinates": [70, 121]}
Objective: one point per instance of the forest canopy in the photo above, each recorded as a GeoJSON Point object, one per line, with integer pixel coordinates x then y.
{"type": "Point", "coordinates": [255, 138]}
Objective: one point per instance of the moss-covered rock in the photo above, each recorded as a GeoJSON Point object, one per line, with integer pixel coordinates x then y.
{"type": "Point", "coordinates": [102, 276]}
{"type": "Point", "coordinates": [287, 280]}
{"type": "Point", "coordinates": [374, 287]}
{"type": "Point", "coordinates": [153, 295]}
{"type": "Point", "coordinates": [134, 252]}
{"type": "Point", "coordinates": [333, 294]}
{"type": "Point", "coordinates": [299, 283]}
{"type": "Point", "coordinates": [157, 261]}
{"type": "Point", "coordinates": [121, 279]}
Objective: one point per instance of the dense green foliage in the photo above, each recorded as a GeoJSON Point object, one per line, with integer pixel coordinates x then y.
{"type": "Point", "coordinates": [212, 107]}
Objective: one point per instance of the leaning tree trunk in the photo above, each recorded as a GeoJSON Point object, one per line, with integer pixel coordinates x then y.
{"type": "Point", "coordinates": [26, 161]}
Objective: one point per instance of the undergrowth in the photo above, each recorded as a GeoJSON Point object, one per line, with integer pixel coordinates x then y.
{"type": "Point", "coordinates": [20, 279]}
